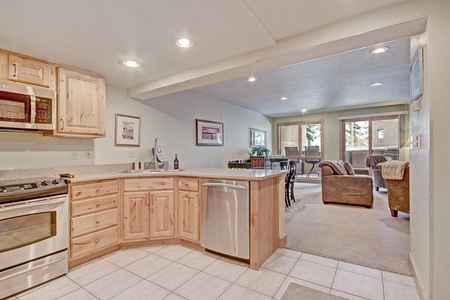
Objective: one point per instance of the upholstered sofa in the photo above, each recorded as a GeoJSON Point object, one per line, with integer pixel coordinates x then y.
{"type": "Point", "coordinates": [397, 189]}
{"type": "Point", "coordinates": [371, 162]}
{"type": "Point", "coordinates": [340, 187]}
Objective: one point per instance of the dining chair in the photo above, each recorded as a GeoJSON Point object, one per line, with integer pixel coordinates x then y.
{"type": "Point", "coordinates": [314, 152]}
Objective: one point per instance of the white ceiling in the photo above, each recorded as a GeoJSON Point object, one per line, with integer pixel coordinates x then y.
{"type": "Point", "coordinates": [98, 35]}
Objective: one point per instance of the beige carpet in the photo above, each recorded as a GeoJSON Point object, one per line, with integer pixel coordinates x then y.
{"type": "Point", "coordinates": [300, 292]}
{"type": "Point", "coordinates": [353, 234]}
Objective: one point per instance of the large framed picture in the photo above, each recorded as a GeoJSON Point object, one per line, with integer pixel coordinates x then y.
{"type": "Point", "coordinates": [416, 75]}
{"type": "Point", "coordinates": [258, 137]}
{"type": "Point", "coordinates": [128, 130]}
{"type": "Point", "coordinates": [209, 133]}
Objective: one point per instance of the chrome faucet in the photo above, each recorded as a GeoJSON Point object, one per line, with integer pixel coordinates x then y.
{"type": "Point", "coordinates": [156, 150]}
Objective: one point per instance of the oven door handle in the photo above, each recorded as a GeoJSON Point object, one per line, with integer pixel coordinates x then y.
{"type": "Point", "coordinates": [30, 207]}
{"type": "Point", "coordinates": [53, 261]}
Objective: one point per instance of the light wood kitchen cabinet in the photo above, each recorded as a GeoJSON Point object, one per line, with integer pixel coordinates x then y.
{"type": "Point", "coordinates": [162, 214]}
{"type": "Point", "coordinates": [94, 217]}
{"type": "Point", "coordinates": [188, 209]}
{"type": "Point", "coordinates": [24, 69]}
{"type": "Point", "coordinates": [149, 208]}
{"type": "Point", "coordinates": [81, 104]}
{"type": "Point", "coordinates": [136, 214]}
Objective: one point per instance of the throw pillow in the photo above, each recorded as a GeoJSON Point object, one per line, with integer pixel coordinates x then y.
{"type": "Point", "coordinates": [341, 165]}
{"type": "Point", "coordinates": [349, 168]}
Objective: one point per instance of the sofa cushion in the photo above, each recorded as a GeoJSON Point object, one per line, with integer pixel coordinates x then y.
{"type": "Point", "coordinates": [336, 166]}
{"type": "Point", "coordinates": [349, 168]}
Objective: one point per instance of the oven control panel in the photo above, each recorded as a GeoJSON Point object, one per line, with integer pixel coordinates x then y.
{"type": "Point", "coordinates": [39, 188]}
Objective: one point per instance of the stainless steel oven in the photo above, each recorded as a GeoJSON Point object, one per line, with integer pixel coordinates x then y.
{"type": "Point", "coordinates": [34, 234]}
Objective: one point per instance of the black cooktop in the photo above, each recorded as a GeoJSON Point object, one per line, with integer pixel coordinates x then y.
{"type": "Point", "coordinates": [31, 188]}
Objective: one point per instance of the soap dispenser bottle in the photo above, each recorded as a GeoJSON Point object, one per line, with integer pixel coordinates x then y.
{"type": "Point", "coordinates": [176, 163]}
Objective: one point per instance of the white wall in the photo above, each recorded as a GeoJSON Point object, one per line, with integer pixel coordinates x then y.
{"type": "Point", "coordinates": [172, 120]}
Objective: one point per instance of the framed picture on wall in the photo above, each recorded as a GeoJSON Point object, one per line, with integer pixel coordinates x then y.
{"type": "Point", "coordinates": [416, 75]}
{"type": "Point", "coordinates": [128, 130]}
{"type": "Point", "coordinates": [258, 137]}
{"type": "Point", "coordinates": [209, 133]}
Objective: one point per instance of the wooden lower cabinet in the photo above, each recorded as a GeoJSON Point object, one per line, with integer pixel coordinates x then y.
{"type": "Point", "coordinates": [162, 214]}
{"type": "Point", "coordinates": [189, 215]}
{"type": "Point", "coordinates": [136, 215]}
{"type": "Point", "coordinates": [148, 209]}
{"type": "Point", "coordinates": [189, 208]}
{"type": "Point", "coordinates": [94, 222]}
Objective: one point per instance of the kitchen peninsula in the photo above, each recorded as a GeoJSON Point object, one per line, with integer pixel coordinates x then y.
{"type": "Point", "coordinates": [112, 210]}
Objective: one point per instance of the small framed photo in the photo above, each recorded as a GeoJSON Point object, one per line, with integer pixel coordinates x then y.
{"type": "Point", "coordinates": [209, 133]}
{"type": "Point", "coordinates": [128, 130]}
{"type": "Point", "coordinates": [258, 137]}
{"type": "Point", "coordinates": [416, 75]}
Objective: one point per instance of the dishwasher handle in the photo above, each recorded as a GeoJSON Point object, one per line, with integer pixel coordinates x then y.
{"type": "Point", "coordinates": [238, 187]}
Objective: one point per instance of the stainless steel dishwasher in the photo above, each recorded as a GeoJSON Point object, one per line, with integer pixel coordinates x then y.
{"type": "Point", "coordinates": [225, 217]}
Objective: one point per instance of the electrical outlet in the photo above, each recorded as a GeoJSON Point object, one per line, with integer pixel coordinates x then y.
{"type": "Point", "coordinates": [74, 154]}
{"type": "Point", "coordinates": [88, 154]}
{"type": "Point", "coordinates": [130, 154]}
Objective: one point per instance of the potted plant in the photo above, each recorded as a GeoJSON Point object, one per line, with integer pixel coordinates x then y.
{"type": "Point", "coordinates": [259, 151]}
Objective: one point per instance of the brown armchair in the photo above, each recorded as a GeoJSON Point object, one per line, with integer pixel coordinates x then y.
{"type": "Point", "coordinates": [398, 189]}
{"type": "Point", "coordinates": [371, 162]}
{"type": "Point", "coordinates": [339, 187]}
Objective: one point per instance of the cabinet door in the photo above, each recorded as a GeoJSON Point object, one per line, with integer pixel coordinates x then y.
{"type": "Point", "coordinates": [136, 215]}
{"type": "Point", "coordinates": [162, 214]}
{"type": "Point", "coordinates": [188, 215]}
{"type": "Point", "coordinates": [27, 70]}
{"type": "Point", "coordinates": [81, 103]}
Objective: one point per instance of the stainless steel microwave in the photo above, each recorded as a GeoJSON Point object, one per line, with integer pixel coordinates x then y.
{"type": "Point", "coordinates": [25, 107]}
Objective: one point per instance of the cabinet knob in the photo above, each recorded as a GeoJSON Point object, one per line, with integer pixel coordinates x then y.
{"type": "Point", "coordinates": [97, 241]}
{"type": "Point", "coordinates": [186, 195]}
{"type": "Point", "coordinates": [97, 222]}
{"type": "Point", "coordinates": [97, 189]}
{"type": "Point", "coordinates": [97, 204]}
{"type": "Point", "coordinates": [186, 184]}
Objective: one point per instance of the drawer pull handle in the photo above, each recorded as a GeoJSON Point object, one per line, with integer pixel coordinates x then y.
{"type": "Point", "coordinates": [97, 241]}
{"type": "Point", "coordinates": [15, 70]}
{"type": "Point", "coordinates": [186, 184]}
{"type": "Point", "coordinates": [97, 222]}
{"type": "Point", "coordinates": [97, 204]}
{"type": "Point", "coordinates": [97, 189]}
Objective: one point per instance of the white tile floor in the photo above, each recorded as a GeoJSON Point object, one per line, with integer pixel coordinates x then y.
{"type": "Point", "coordinates": [177, 272]}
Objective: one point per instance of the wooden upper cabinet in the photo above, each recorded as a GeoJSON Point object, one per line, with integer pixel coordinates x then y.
{"type": "Point", "coordinates": [24, 69]}
{"type": "Point", "coordinates": [28, 70]}
{"type": "Point", "coordinates": [81, 104]}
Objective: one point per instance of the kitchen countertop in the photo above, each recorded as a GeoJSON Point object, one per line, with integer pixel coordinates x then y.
{"type": "Point", "coordinates": [219, 173]}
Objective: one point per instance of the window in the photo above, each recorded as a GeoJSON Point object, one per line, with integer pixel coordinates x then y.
{"type": "Point", "coordinates": [363, 137]}
{"type": "Point", "coordinates": [293, 138]}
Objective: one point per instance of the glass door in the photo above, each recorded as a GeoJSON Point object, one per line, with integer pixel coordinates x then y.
{"type": "Point", "coordinates": [369, 136]}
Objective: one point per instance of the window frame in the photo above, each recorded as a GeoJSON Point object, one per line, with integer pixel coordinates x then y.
{"type": "Point", "coordinates": [370, 120]}
{"type": "Point", "coordinates": [299, 124]}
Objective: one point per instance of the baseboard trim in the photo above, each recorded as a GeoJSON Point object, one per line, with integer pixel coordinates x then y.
{"type": "Point", "coordinates": [417, 280]}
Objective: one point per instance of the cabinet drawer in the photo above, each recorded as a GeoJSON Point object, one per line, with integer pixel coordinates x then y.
{"type": "Point", "coordinates": [95, 241]}
{"type": "Point", "coordinates": [94, 189]}
{"type": "Point", "coordinates": [188, 184]}
{"type": "Point", "coordinates": [98, 204]}
{"type": "Point", "coordinates": [146, 184]}
{"type": "Point", "coordinates": [93, 222]}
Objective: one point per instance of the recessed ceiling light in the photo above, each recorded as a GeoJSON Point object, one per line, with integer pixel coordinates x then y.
{"type": "Point", "coordinates": [251, 78]}
{"type": "Point", "coordinates": [184, 43]}
{"type": "Point", "coordinates": [304, 110]}
{"type": "Point", "coordinates": [379, 50]}
{"type": "Point", "coordinates": [377, 84]}
{"type": "Point", "coordinates": [131, 64]}
{"type": "Point", "coordinates": [283, 98]}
